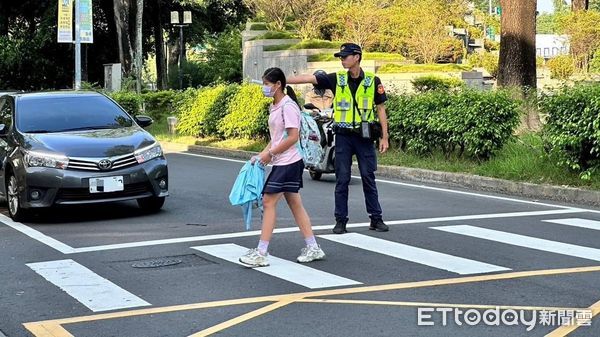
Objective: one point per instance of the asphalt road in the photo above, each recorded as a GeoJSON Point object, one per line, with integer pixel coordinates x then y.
{"type": "Point", "coordinates": [515, 267]}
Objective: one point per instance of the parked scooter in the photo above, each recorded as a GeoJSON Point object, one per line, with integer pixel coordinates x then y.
{"type": "Point", "coordinates": [324, 120]}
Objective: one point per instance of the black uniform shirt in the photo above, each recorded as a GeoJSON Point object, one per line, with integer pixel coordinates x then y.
{"type": "Point", "coordinates": [329, 81]}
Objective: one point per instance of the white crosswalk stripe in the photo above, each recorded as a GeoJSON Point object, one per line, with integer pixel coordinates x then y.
{"type": "Point", "coordinates": [576, 222]}
{"type": "Point", "coordinates": [418, 255]}
{"type": "Point", "coordinates": [87, 287]}
{"type": "Point", "coordinates": [524, 241]}
{"type": "Point", "coordinates": [280, 268]}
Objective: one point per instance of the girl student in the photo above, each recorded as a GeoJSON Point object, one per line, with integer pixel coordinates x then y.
{"type": "Point", "coordinates": [285, 179]}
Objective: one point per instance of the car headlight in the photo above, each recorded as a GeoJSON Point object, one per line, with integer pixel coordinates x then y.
{"type": "Point", "coordinates": [43, 159]}
{"type": "Point", "coordinates": [148, 153]}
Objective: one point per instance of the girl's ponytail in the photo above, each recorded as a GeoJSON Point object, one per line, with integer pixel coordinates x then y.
{"type": "Point", "coordinates": [290, 92]}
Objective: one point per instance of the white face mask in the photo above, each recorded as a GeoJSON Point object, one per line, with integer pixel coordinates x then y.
{"type": "Point", "coordinates": [268, 91]}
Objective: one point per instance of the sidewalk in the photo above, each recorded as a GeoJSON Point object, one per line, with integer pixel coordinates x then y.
{"type": "Point", "coordinates": [537, 192]}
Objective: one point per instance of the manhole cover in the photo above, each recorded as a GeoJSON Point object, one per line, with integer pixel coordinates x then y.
{"type": "Point", "coordinates": [156, 263]}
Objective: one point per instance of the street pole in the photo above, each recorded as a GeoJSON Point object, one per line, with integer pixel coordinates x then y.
{"type": "Point", "coordinates": [77, 48]}
{"type": "Point", "coordinates": [180, 57]}
{"type": "Point", "coordinates": [490, 6]}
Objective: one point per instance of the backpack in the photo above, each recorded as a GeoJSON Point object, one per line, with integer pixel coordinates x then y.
{"type": "Point", "coordinates": [309, 140]}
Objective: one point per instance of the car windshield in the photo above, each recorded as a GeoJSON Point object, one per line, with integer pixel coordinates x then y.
{"type": "Point", "coordinates": [75, 113]}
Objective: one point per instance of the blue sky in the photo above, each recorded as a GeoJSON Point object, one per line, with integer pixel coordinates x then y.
{"type": "Point", "coordinates": [546, 5]}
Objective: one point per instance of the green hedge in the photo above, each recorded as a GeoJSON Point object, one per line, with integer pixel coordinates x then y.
{"type": "Point", "coordinates": [432, 83]}
{"type": "Point", "coordinates": [248, 114]}
{"type": "Point", "coordinates": [477, 123]}
{"type": "Point", "coordinates": [191, 120]}
{"type": "Point", "coordinates": [306, 44]}
{"type": "Point", "coordinates": [572, 131]}
{"type": "Point", "coordinates": [274, 35]}
{"type": "Point", "coordinates": [218, 111]}
{"type": "Point", "coordinates": [130, 101]}
{"type": "Point", "coordinates": [159, 104]}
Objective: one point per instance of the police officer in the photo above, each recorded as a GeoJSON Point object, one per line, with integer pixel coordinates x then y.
{"type": "Point", "coordinates": [358, 104]}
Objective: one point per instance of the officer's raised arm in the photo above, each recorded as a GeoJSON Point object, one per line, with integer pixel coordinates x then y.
{"type": "Point", "coordinates": [302, 79]}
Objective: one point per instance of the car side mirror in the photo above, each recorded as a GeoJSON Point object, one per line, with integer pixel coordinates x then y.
{"type": "Point", "coordinates": [143, 121]}
{"type": "Point", "coordinates": [3, 130]}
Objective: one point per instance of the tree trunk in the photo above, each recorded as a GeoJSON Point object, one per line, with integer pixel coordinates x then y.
{"type": "Point", "coordinates": [138, 45]}
{"type": "Point", "coordinates": [517, 67]}
{"type": "Point", "coordinates": [580, 5]}
{"type": "Point", "coordinates": [173, 61]}
{"type": "Point", "coordinates": [122, 13]}
{"type": "Point", "coordinates": [159, 46]}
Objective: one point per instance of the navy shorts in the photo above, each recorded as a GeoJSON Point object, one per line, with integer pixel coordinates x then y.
{"type": "Point", "coordinates": [285, 178]}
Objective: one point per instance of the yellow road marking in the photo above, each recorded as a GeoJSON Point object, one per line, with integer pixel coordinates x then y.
{"type": "Point", "coordinates": [58, 331]}
{"type": "Point", "coordinates": [433, 305]}
{"type": "Point", "coordinates": [449, 281]}
{"type": "Point", "coordinates": [567, 329]}
{"type": "Point", "coordinates": [50, 329]}
{"type": "Point", "coordinates": [242, 318]}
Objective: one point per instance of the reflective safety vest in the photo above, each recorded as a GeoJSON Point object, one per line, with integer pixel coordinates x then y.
{"type": "Point", "coordinates": [361, 107]}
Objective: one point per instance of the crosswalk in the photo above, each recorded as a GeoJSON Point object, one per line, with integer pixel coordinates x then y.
{"type": "Point", "coordinates": [287, 270]}
{"type": "Point", "coordinates": [65, 273]}
{"type": "Point", "coordinates": [426, 257]}
{"type": "Point", "coordinates": [280, 268]}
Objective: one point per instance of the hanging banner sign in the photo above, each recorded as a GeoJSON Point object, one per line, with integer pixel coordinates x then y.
{"type": "Point", "coordinates": [86, 23]}
{"type": "Point", "coordinates": [65, 21]}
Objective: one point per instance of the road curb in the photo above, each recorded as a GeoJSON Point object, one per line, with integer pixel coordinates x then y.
{"type": "Point", "coordinates": [479, 183]}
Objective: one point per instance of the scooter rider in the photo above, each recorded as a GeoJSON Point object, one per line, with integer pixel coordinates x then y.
{"type": "Point", "coordinates": [358, 96]}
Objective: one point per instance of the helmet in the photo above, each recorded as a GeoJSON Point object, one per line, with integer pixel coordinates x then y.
{"type": "Point", "coordinates": [320, 92]}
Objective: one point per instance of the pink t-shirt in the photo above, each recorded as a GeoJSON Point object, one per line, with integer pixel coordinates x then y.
{"type": "Point", "coordinates": [284, 115]}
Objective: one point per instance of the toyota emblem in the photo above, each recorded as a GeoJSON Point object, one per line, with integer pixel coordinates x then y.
{"type": "Point", "coordinates": [105, 164]}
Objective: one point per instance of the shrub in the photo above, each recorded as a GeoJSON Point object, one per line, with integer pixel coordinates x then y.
{"type": "Point", "coordinates": [130, 101]}
{"type": "Point", "coordinates": [218, 111]}
{"type": "Point", "coordinates": [305, 44]}
{"type": "Point", "coordinates": [561, 67]}
{"type": "Point", "coordinates": [273, 35]}
{"type": "Point", "coordinates": [477, 123]}
{"type": "Point", "coordinates": [258, 26]}
{"type": "Point", "coordinates": [595, 62]}
{"type": "Point", "coordinates": [184, 100]}
{"type": "Point", "coordinates": [453, 50]}
{"type": "Point", "coordinates": [488, 61]}
{"type": "Point", "coordinates": [432, 82]}
{"type": "Point", "coordinates": [191, 120]}
{"type": "Point", "coordinates": [571, 133]}
{"type": "Point", "coordinates": [248, 114]}
{"type": "Point", "coordinates": [490, 45]}
{"type": "Point", "coordinates": [159, 104]}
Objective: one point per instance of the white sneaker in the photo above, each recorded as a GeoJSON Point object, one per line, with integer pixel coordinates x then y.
{"type": "Point", "coordinates": [309, 254]}
{"type": "Point", "coordinates": [254, 258]}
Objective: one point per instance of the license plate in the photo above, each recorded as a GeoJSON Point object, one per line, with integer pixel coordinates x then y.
{"type": "Point", "coordinates": [106, 184]}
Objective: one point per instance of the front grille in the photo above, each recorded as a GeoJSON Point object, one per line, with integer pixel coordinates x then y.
{"type": "Point", "coordinates": [91, 164]}
{"type": "Point", "coordinates": [82, 194]}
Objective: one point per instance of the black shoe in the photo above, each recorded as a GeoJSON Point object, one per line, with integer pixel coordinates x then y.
{"type": "Point", "coordinates": [378, 225]}
{"type": "Point", "coordinates": [340, 226]}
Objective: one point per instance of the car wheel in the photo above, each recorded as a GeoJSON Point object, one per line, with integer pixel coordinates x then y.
{"type": "Point", "coordinates": [314, 175]}
{"type": "Point", "coordinates": [151, 204]}
{"type": "Point", "coordinates": [12, 198]}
